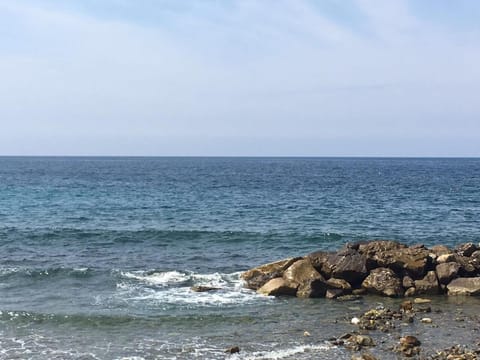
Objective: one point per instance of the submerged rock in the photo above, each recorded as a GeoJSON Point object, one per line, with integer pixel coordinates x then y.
{"type": "Point", "coordinates": [202, 288]}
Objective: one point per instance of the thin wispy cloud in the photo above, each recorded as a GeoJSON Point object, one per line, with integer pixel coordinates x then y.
{"type": "Point", "coordinates": [238, 77]}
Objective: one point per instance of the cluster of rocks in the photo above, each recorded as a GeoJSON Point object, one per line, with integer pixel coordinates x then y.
{"type": "Point", "coordinates": [383, 267]}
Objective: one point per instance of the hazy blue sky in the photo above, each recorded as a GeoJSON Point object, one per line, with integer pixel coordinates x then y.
{"type": "Point", "coordinates": [245, 77]}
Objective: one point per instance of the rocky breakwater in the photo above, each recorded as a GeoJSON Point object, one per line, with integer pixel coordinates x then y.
{"type": "Point", "coordinates": [381, 267]}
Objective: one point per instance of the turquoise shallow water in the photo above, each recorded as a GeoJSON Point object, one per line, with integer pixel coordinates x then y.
{"type": "Point", "coordinates": [97, 255]}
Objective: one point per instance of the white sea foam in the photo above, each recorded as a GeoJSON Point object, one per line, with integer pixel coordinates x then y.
{"type": "Point", "coordinates": [174, 288]}
{"type": "Point", "coordinates": [293, 352]}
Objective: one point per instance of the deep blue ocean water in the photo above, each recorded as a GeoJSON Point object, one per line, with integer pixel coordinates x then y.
{"type": "Point", "coordinates": [97, 255]}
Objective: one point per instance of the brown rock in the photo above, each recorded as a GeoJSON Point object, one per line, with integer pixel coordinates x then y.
{"type": "Point", "coordinates": [447, 271]}
{"type": "Point", "coordinates": [233, 350]}
{"type": "Point", "coordinates": [383, 281]}
{"type": "Point", "coordinates": [372, 248]}
{"type": "Point", "coordinates": [312, 289]}
{"type": "Point", "coordinates": [407, 282]}
{"type": "Point", "coordinates": [318, 258]}
{"type": "Point", "coordinates": [427, 285]}
{"type": "Point", "coordinates": [410, 341]}
{"type": "Point", "coordinates": [278, 287]}
{"type": "Point", "coordinates": [257, 277]}
{"type": "Point", "coordinates": [440, 250]}
{"type": "Point", "coordinates": [412, 260]}
{"type": "Point", "coordinates": [338, 284]}
{"type": "Point", "coordinates": [464, 286]}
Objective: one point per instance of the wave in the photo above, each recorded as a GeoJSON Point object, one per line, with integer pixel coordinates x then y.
{"type": "Point", "coordinates": [138, 235]}
{"type": "Point", "coordinates": [312, 351]}
{"type": "Point", "coordinates": [174, 288]}
{"type": "Point", "coordinates": [77, 272]}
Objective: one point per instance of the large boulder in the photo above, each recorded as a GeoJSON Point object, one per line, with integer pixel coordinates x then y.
{"type": "Point", "coordinates": [467, 265]}
{"type": "Point", "coordinates": [464, 286]}
{"type": "Point", "coordinates": [309, 281]}
{"type": "Point", "coordinates": [278, 287]}
{"type": "Point", "coordinates": [312, 289]}
{"type": "Point", "coordinates": [440, 250]}
{"type": "Point", "coordinates": [427, 285]}
{"type": "Point", "coordinates": [255, 278]}
{"type": "Point", "coordinates": [318, 258]}
{"type": "Point", "coordinates": [347, 264]}
{"type": "Point", "coordinates": [301, 271]}
{"type": "Point", "coordinates": [447, 271]}
{"type": "Point", "coordinates": [412, 261]}
{"type": "Point", "coordinates": [383, 281]}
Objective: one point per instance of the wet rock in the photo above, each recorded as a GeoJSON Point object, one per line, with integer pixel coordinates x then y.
{"type": "Point", "coordinates": [348, 264]}
{"type": "Point", "coordinates": [421, 301]}
{"type": "Point", "coordinates": [233, 350]}
{"type": "Point", "coordinates": [257, 277]}
{"type": "Point", "coordinates": [334, 293]}
{"type": "Point", "coordinates": [409, 346]}
{"type": "Point", "coordinates": [338, 284]}
{"type": "Point", "coordinates": [406, 305]}
{"type": "Point", "coordinates": [364, 356]}
{"type": "Point", "coordinates": [466, 249]}
{"type": "Point", "coordinates": [456, 352]}
{"type": "Point", "coordinates": [351, 297]}
{"type": "Point", "coordinates": [312, 289]}
{"type": "Point", "coordinates": [278, 287]}
{"type": "Point", "coordinates": [447, 271]}
{"type": "Point", "coordinates": [464, 286]}
{"type": "Point", "coordinates": [202, 288]}
{"type": "Point", "coordinates": [428, 285]}
{"type": "Point", "coordinates": [426, 320]}
{"type": "Point", "coordinates": [383, 281]}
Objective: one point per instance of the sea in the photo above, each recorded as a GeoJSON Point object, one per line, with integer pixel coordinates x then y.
{"type": "Point", "coordinates": [98, 254]}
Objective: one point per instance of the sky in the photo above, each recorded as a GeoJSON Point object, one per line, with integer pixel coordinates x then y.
{"type": "Point", "coordinates": [240, 77]}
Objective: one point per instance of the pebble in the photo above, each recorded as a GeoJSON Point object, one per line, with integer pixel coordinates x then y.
{"type": "Point", "coordinates": [233, 350]}
{"type": "Point", "coordinates": [355, 321]}
{"type": "Point", "coordinates": [426, 320]}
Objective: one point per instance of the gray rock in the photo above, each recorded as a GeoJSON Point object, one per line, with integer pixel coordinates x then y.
{"type": "Point", "coordinates": [427, 285]}
{"type": "Point", "coordinates": [466, 249]}
{"type": "Point", "coordinates": [447, 271]}
{"type": "Point", "coordinates": [464, 286]}
{"type": "Point", "coordinates": [348, 264]}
